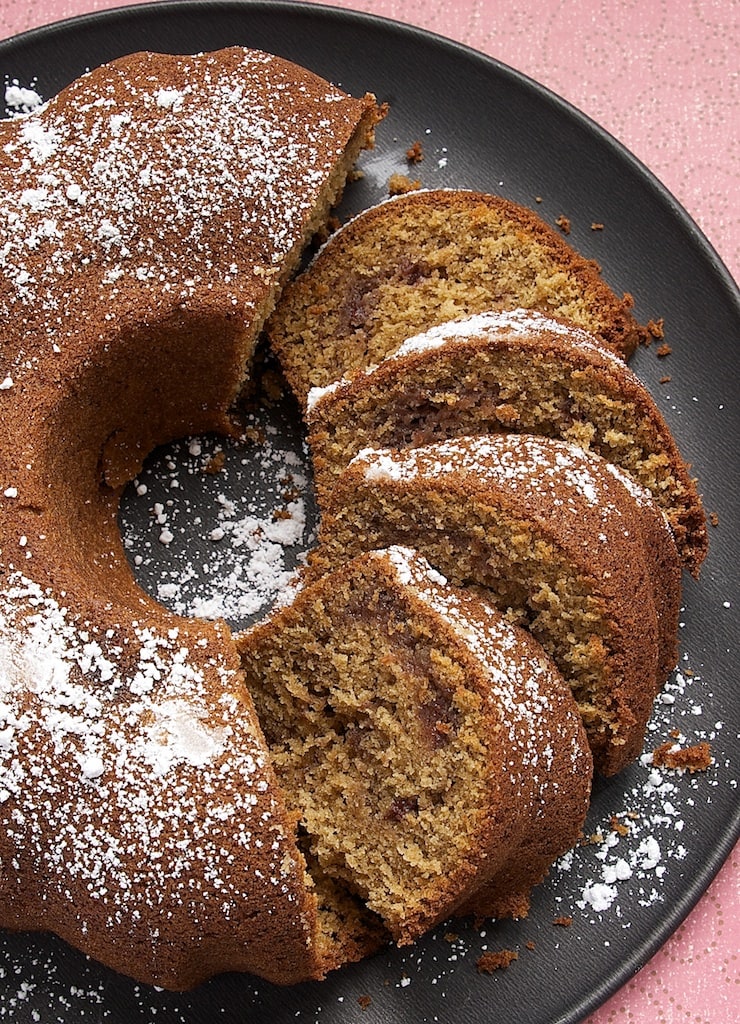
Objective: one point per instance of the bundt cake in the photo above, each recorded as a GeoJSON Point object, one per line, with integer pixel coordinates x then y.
{"type": "Point", "coordinates": [424, 258]}
{"type": "Point", "coordinates": [151, 212]}
{"type": "Point", "coordinates": [515, 371]}
{"type": "Point", "coordinates": [561, 540]}
{"type": "Point", "coordinates": [432, 753]}
{"type": "Point", "coordinates": [389, 749]}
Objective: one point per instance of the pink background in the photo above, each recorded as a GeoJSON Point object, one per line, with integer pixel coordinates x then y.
{"type": "Point", "coordinates": [662, 76]}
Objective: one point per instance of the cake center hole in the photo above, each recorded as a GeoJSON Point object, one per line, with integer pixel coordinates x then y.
{"type": "Point", "coordinates": [217, 527]}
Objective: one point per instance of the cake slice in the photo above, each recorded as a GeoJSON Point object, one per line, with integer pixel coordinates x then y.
{"type": "Point", "coordinates": [561, 541]}
{"type": "Point", "coordinates": [424, 258]}
{"type": "Point", "coordinates": [429, 749]}
{"type": "Point", "coordinates": [508, 371]}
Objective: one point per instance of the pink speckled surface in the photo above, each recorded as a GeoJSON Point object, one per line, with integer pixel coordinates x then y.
{"type": "Point", "coordinates": [662, 76]}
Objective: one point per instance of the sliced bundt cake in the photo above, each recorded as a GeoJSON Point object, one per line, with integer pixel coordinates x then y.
{"type": "Point", "coordinates": [429, 749]}
{"type": "Point", "coordinates": [560, 539]}
{"type": "Point", "coordinates": [509, 371]}
{"type": "Point", "coordinates": [424, 258]}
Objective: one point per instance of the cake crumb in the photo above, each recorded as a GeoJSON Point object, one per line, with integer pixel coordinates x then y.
{"type": "Point", "coordinates": [254, 434]}
{"type": "Point", "coordinates": [619, 826]}
{"type": "Point", "coordinates": [507, 414]}
{"type": "Point", "coordinates": [272, 385]}
{"type": "Point", "coordinates": [665, 380]}
{"type": "Point", "coordinates": [530, 944]}
{"type": "Point", "coordinates": [714, 518]}
{"type": "Point", "coordinates": [323, 235]}
{"type": "Point", "coordinates": [415, 153]}
{"type": "Point", "coordinates": [597, 226]}
{"type": "Point", "coordinates": [364, 1002]}
{"type": "Point", "coordinates": [400, 184]}
{"type": "Point", "coordinates": [655, 328]}
{"type": "Point", "coordinates": [663, 350]}
{"type": "Point", "coordinates": [487, 963]}
{"type": "Point", "coordinates": [563, 922]}
{"type": "Point", "coordinates": [696, 758]}
{"type": "Point", "coordinates": [215, 464]}
{"type": "Point", "coordinates": [563, 223]}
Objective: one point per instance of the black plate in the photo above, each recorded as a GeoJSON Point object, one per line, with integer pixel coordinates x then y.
{"type": "Point", "coordinates": [484, 126]}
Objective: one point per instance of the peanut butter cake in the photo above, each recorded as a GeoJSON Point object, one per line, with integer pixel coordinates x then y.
{"type": "Point", "coordinates": [432, 752]}
{"type": "Point", "coordinates": [500, 372]}
{"type": "Point", "coordinates": [425, 258]}
{"type": "Point", "coordinates": [561, 540]}
{"type": "Point", "coordinates": [151, 213]}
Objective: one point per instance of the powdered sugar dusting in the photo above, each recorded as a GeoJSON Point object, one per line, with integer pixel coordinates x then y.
{"type": "Point", "coordinates": [137, 210]}
{"type": "Point", "coordinates": [635, 848]}
{"type": "Point", "coordinates": [317, 394]}
{"type": "Point", "coordinates": [655, 805]}
{"type": "Point", "coordinates": [132, 770]}
{"type": "Point", "coordinates": [518, 322]}
{"type": "Point", "coordinates": [523, 463]}
{"type": "Point", "coordinates": [235, 538]}
{"type": "Point", "coordinates": [21, 99]}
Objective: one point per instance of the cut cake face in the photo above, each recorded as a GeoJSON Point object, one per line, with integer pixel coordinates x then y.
{"type": "Point", "coordinates": [425, 258]}
{"type": "Point", "coordinates": [432, 752]}
{"type": "Point", "coordinates": [559, 539]}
